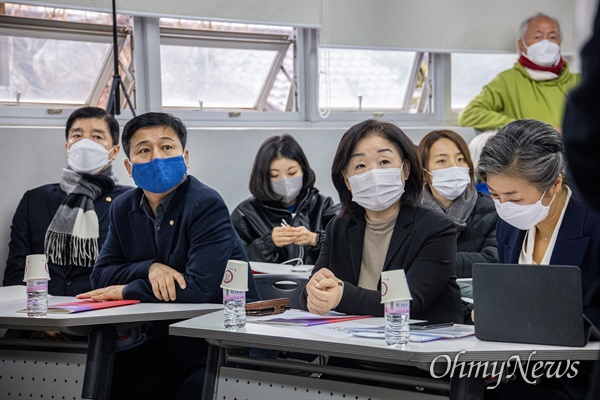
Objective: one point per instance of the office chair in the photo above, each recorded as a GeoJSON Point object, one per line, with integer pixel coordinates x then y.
{"type": "Point", "coordinates": [274, 286]}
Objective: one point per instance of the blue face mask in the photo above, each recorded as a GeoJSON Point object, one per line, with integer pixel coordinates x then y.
{"type": "Point", "coordinates": [159, 175]}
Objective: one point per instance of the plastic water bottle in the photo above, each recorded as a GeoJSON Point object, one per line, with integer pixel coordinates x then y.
{"type": "Point", "coordinates": [397, 330]}
{"type": "Point", "coordinates": [234, 302]}
{"type": "Point", "coordinates": [37, 298]}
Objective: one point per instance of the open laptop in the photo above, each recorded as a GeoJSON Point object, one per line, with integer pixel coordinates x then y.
{"type": "Point", "coordinates": [537, 304]}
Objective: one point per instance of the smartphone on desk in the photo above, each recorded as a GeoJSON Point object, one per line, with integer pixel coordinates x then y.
{"type": "Point", "coordinates": [301, 268]}
{"type": "Point", "coordinates": [420, 326]}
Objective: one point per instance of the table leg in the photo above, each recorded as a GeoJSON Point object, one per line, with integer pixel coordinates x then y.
{"type": "Point", "coordinates": [214, 360]}
{"type": "Point", "coordinates": [466, 388]}
{"type": "Point", "coordinates": [100, 361]}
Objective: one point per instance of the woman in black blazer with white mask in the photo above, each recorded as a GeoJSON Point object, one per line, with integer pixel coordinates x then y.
{"type": "Point", "coordinates": [383, 226]}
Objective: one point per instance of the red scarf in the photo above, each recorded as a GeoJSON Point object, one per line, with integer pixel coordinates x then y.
{"type": "Point", "coordinates": [526, 62]}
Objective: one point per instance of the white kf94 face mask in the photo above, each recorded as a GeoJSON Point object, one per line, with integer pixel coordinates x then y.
{"type": "Point", "coordinates": [87, 157]}
{"type": "Point", "coordinates": [451, 182]}
{"type": "Point", "coordinates": [287, 188]}
{"type": "Point", "coordinates": [543, 53]}
{"type": "Point", "coordinates": [377, 189]}
{"type": "Point", "coordinates": [523, 216]}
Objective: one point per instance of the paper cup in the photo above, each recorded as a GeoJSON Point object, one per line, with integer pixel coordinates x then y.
{"type": "Point", "coordinates": [235, 276]}
{"type": "Point", "coordinates": [36, 267]}
{"type": "Point", "coordinates": [394, 286]}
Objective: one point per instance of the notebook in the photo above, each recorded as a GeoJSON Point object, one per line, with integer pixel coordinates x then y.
{"type": "Point", "coordinates": [529, 304]}
{"type": "Point", "coordinates": [85, 305]}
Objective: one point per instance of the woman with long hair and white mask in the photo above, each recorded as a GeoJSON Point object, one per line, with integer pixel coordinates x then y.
{"type": "Point", "coordinates": [450, 189]}
{"type": "Point", "coordinates": [542, 221]}
{"type": "Point", "coordinates": [287, 216]}
{"type": "Point", "coordinates": [383, 226]}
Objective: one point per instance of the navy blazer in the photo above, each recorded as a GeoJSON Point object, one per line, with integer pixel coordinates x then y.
{"type": "Point", "coordinates": [423, 243]}
{"type": "Point", "coordinates": [195, 237]}
{"type": "Point", "coordinates": [577, 243]}
{"type": "Point", "coordinates": [30, 223]}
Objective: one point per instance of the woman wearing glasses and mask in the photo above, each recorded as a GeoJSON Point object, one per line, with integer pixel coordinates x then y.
{"type": "Point", "coordinates": [450, 189]}
{"type": "Point", "coordinates": [286, 217]}
{"type": "Point", "coordinates": [542, 221]}
{"type": "Point", "coordinates": [382, 226]}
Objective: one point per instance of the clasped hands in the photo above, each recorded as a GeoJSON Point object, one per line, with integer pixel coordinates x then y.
{"type": "Point", "coordinates": [161, 276]}
{"type": "Point", "coordinates": [324, 292]}
{"type": "Point", "coordinates": [300, 235]}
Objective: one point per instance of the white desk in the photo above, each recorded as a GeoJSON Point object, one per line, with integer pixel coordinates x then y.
{"type": "Point", "coordinates": [101, 327]}
{"type": "Point", "coordinates": [271, 268]}
{"type": "Point", "coordinates": [301, 339]}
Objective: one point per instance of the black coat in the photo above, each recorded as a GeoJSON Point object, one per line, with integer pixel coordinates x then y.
{"type": "Point", "coordinates": [581, 125]}
{"type": "Point", "coordinates": [254, 221]}
{"type": "Point", "coordinates": [423, 244]}
{"type": "Point", "coordinates": [194, 238]}
{"type": "Point", "coordinates": [477, 242]}
{"type": "Point", "coordinates": [577, 243]}
{"type": "Point", "coordinates": [30, 223]}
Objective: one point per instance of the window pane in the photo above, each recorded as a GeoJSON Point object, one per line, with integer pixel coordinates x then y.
{"type": "Point", "coordinates": [220, 78]}
{"type": "Point", "coordinates": [470, 72]}
{"type": "Point", "coordinates": [380, 76]}
{"type": "Point", "coordinates": [278, 97]}
{"type": "Point", "coordinates": [47, 70]}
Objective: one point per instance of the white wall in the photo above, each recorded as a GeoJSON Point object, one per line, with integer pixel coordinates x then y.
{"type": "Point", "coordinates": [31, 156]}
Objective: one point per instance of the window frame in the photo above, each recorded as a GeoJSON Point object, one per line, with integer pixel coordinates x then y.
{"type": "Point", "coordinates": [71, 31]}
{"type": "Point", "coordinates": [278, 43]}
{"type": "Point", "coordinates": [409, 91]}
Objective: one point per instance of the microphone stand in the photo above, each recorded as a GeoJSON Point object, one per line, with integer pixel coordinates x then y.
{"type": "Point", "coordinates": [113, 105]}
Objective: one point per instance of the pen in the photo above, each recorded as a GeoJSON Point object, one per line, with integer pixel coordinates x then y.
{"type": "Point", "coordinates": [283, 223]}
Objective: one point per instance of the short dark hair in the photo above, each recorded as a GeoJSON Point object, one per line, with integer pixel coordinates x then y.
{"type": "Point", "coordinates": [94, 112]}
{"type": "Point", "coordinates": [425, 144]}
{"type": "Point", "coordinates": [528, 149]}
{"type": "Point", "coordinates": [151, 119]}
{"type": "Point", "coordinates": [271, 149]}
{"type": "Point", "coordinates": [413, 187]}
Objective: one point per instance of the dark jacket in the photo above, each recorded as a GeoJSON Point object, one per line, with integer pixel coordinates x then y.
{"type": "Point", "coordinates": [30, 223]}
{"type": "Point", "coordinates": [423, 243]}
{"type": "Point", "coordinates": [577, 243]}
{"type": "Point", "coordinates": [477, 242]}
{"type": "Point", "coordinates": [195, 237]}
{"type": "Point", "coordinates": [581, 126]}
{"type": "Point", "coordinates": [254, 221]}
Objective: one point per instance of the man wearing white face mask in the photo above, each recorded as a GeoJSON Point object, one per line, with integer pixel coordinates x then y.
{"type": "Point", "coordinates": [536, 87]}
{"type": "Point", "coordinates": [450, 189]}
{"type": "Point", "coordinates": [68, 221]}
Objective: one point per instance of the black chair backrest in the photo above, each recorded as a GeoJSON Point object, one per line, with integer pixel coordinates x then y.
{"type": "Point", "coordinates": [274, 286]}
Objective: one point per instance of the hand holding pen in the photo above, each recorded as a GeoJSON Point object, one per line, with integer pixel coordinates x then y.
{"type": "Point", "coordinates": [299, 235]}
{"type": "Point", "coordinates": [284, 234]}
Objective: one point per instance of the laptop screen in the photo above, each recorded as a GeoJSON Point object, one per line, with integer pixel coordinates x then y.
{"type": "Point", "coordinates": [538, 304]}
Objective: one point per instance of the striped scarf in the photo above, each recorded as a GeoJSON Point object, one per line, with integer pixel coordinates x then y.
{"type": "Point", "coordinates": [72, 237]}
{"type": "Point", "coordinates": [459, 211]}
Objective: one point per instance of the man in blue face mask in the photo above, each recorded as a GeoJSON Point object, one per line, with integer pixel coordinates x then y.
{"type": "Point", "coordinates": [169, 240]}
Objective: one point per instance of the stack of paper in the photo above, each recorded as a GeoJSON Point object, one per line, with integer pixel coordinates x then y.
{"type": "Point", "coordinates": [450, 332]}
{"type": "Point", "coordinates": [85, 305]}
{"type": "Point", "coordinates": [305, 318]}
